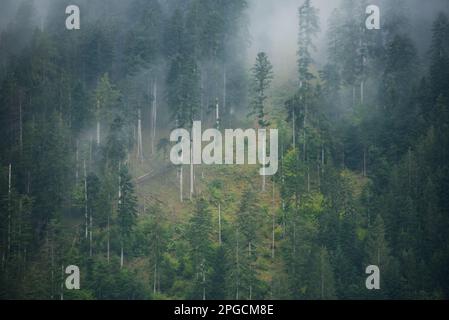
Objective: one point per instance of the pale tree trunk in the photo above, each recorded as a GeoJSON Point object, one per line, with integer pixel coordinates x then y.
{"type": "Point", "coordinates": [362, 91]}
{"type": "Point", "coordinates": [353, 95]}
{"type": "Point", "coordinates": [52, 259]}
{"type": "Point", "coordinates": [409, 167]}
{"type": "Point", "coordinates": [219, 224]}
{"type": "Point", "coordinates": [264, 155]}
{"type": "Point", "coordinates": [308, 180]}
{"type": "Point", "coordinates": [250, 270]}
{"type": "Point", "coordinates": [20, 125]}
{"type": "Point", "coordinates": [204, 283]}
{"type": "Point", "coordinates": [85, 198]}
{"type": "Point", "coordinates": [154, 116]}
{"type": "Point", "coordinates": [237, 294]}
{"type": "Point", "coordinates": [318, 175]}
{"type": "Point", "coordinates": [98, 123]}
{"type": "Point", "coordinates": [9, 208]}
{"type": "Point", "coordinates": [98, 132]}
{"type": "Point", "coordinates": [192, 175]}
{"type": "Point", "coordinates": [272, 236]}
{"type": "Point", "coordinates": [224, 87]}
{"type": "Point", "coordinates": [108, 240]}
{"type": "Point", "coordinates": [294, 129]}
{"type": "Point", "coordinates": [121, 255]}
{"type": "Point", "coordinates": [62, 283]}
{"type": "Point", "coordinates": [217, 115]}
{"type": "Point", "coordinates": [76, 161]}
{"type": "Point", "coordinates": [180, 184]}
{"type": "Point", "coordinates": [139, 136]}
{"type": "Point", "coordinates": [90, 234]}
{"type": "Point", "coordinates": [305, 133]}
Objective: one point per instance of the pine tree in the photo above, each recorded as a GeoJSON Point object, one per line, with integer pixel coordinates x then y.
{"type": "Point", "coordinates": [127, 210]}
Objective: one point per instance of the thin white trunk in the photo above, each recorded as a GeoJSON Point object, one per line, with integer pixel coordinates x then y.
{"type": "Point", "coordinates": [155, 279]}
{"type": "Point", "coordinates": [180, 184]}
{"type": "Point", "coordinates": [85, 197]}
{"type": "Point", "coordinates": [250, 270]}
{"type": "Point", "coordinates": [90, 234]}
{"type": "Point", "coordinates": [219, 224]}
{"type": "Point", "coordinates": [294, 129]}
{"type": "Point", "coordinates": [154, 115]}
{"type": "Point", "coordinates": [305, 133]}
{"type": "Point", "coordinates": [20, 126]}
{"type": "Point", "coordinates": [192, 176]}
{"type": "Point", "coordinates": [362, 92]}
{"type": "Point", "coordinates": [237, 265]}
{"type": "Point", "coordinates": [308, 179]}
{"type": "Point", "coordinates": [98, 132]}
{"type": "Point", "coordinates": [272, 237]}
{"type": "Point", "coordinates": [98, 122]}
{"type": "Point", "coordinates": [121, 255]}
{"type": "Point", "coordinates": [62, 283]}
{"type": "Point", "coordinates": [224, 87]}
{"type": "Point", "coordinates": [9, 207]}
{"type": "Point", "coordinates": [217, 115]}
{"type": "Point", "coordinates": [139, 136]}
{"type": "Point", "coordinates": [76, 161]}
{"type": "Point", "coordinates": [119, 184]}
{"type": "Point", "coordinates": [108, 240]}
{"type": "Point", "coordinates": [204, 284]}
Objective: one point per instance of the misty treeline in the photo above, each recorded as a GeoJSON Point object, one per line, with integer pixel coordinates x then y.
{"type": "Point", "coordinates": [363, 176]}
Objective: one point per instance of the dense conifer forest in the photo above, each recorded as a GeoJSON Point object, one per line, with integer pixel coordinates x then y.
{"type": "Point", "coordinates": [86, 177]}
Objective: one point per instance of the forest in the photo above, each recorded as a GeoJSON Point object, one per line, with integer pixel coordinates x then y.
{"type": "Point", "coordinates": [86, 178]}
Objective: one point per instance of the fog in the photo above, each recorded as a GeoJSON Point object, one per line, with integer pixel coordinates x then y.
{"type": "Point", "coordinates": [274, 26]}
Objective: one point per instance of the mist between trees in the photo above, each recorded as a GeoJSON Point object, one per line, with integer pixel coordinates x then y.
{"type": "Point", "coordinates": [86, 178]}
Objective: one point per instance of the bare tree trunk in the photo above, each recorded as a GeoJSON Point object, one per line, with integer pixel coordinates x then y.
{"type": "Point", "coordinates": [305, 133]}
{"type": "Point", "coordinates": [180, 184]}
{"type": "Point", "coordinates": [224, 88]}
{"type": "Point", "coordinates": [98, 132]}
{"type": "Point", "coordinates": [308, 179]}
{"type": "Point", "coordinates": [62, 283]}
{"type": "Point", "coordinates": [9, 208]}
{"type": "Point", "coordinates": [98, 123]}
{"type": "Point", "coordinates": [204, 283]}
{"type": "Point", "coordinates": [121, 255]}
{"type": "Point", "coordinates": [139, 136]}
{"type": "Point", "coordinates": [294, 129]}
{"type": "Point", "coordinates": [154, 115]}
{"type": "Point", "coordinates": [192, 177]}
{"type": "Point", "coordinates": [237, 265]}
{"type": "Point", "coordinates": [52, 259]}
{"type": "Point", "coordinates": [20, 126]}
{"type": "Point", "coordinates": [217, 114]}
{"type": "Point", "coordinates": [353, 95]}
{"type": "Point", "coordinates": [76, 161]}
{"type": "Point", "coordinates": [90, 234]}
{"type": "Point", "coordinates": [85, 198]}
{"type": "Point", "coordinates": [108, 241]}
{"type": "Point", "coordinates": [250, 270]}
{"type": "Point", "coordinates": [362, 91]}
{"type": "Point", "coordinates": [219, 224]}
{"type": "Point", "coordinates": [272, 237]}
